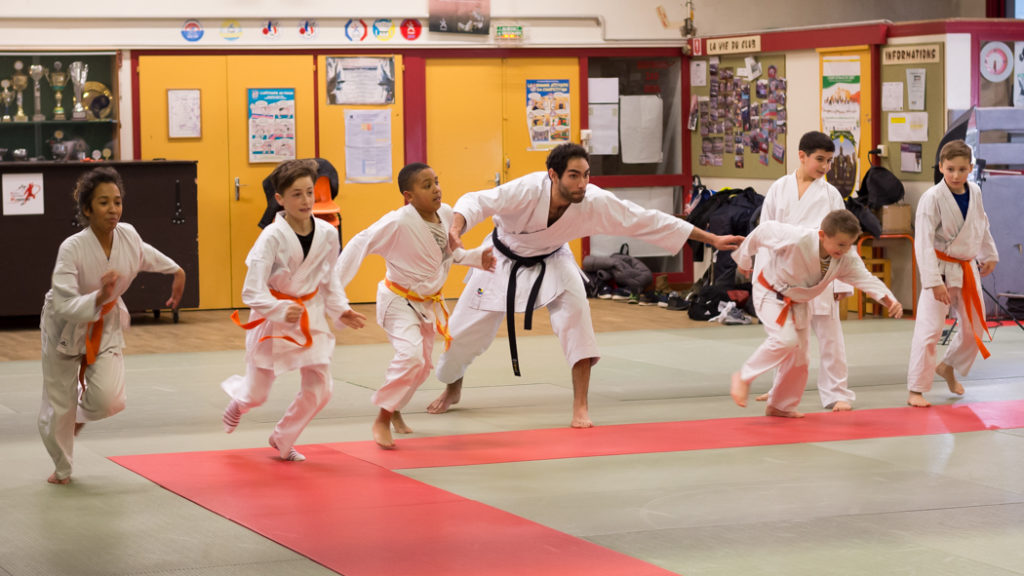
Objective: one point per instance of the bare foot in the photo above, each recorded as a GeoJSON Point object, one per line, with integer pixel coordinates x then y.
{"type": "Point", "coordinates": [769, 411]}
{"type": "Point", "coordinates": [61, 481]}
{"type": "Point", "coordinates": [399, 424]}
{"type": "Point", "coordinates": [581, 419]}
{"type": "Point", "coordinates": [762, 397]}
{"type": "Point", "coordinates": [841, 406]}
{"type": "Point", "coordinates": [451, 396]}
{"type": "Point", "coordinates": [946, 372]}
{"type": "Point", "coordinates": [78, 427]}
{"type": "Point", "coordinates": [739, 390]}
{"type": "Point", "coordinates": [917, 400]}
{"type": "Point", "coordinates": [382, 429]}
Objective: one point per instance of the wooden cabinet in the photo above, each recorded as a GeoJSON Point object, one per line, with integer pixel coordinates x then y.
{"type": "Point", "coordinates": [45, 132]}
{"type": "Point", "coordinates": [159, 200]}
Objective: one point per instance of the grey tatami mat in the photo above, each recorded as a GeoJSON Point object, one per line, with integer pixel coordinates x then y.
{"type": "Point", "coordinates": [942, 504]}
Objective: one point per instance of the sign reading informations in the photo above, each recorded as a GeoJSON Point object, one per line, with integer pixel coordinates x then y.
{"type": "Point", "coordinates": [735, 45]}
{"type": "Point", "coordinates": [910, 54]}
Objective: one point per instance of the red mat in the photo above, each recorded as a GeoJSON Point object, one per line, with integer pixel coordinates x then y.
{"type": "Point", "coordinates": [359, 519]}
{"type": "Point", "coordinates": [555, 443]}
{"type": "Point", "coordinates": [345, 509]}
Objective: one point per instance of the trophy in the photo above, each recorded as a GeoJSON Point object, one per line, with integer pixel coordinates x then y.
{"type": "Point", "coordinates": [58, 79]}
{"type": "Point", "coordinates": [7, 97]}
{"type": "Point", "coordinates": [36, 72]}
{"type": "Point", "coordinates": [78, 71]}
{"type": "Point", "coordinates": [20, 81]}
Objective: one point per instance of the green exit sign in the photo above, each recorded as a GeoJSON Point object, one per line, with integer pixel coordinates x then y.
{"type": "Point", "coordinates": [509, 32]}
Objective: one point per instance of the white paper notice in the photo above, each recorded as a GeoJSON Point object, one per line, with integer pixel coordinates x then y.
{"type": "Point", "coordinates": [698, 73]}
{"type": "Point", "coordinates": [1018, 73]}
{"type": "Point", "coordinates": [23, 194]}
{"type": "Point", "coordinates": [915, 88]}
{"type": "Point", "coordinates": [367, 146]}
{"type": "Point", "coordinates": [908, 127]}
{"type": "Point", "coordinates": [604, 128]}
{"type": "Point", "coordinates": [641, 128]}
{"type": "Point", "coordinates": [892, 96]}
{"type": "Point", "coordinates": [603, 90]}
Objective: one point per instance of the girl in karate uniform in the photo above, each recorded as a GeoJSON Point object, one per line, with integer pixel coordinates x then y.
{"type": "Point", "coordinates": [413, 241]}
{"type": "Point", "coordinates": [289, 287]}
{"type": "Point", "coordinates": [83, 319]}
{"type": "Point", "coordinates": [952, 233]}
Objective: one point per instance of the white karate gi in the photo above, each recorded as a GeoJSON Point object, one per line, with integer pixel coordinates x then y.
{"type": "Point", "coordinates": [275, 263]}
{"type": "Point", "coordinates": [416, 261]}
{"type": "Point", "coordinates": [520, 212]}
{"type": "Point", "coordinates": [783, 203]}
{"type": "Point", "coordinates": [940, 225]}
{"type": "Point", "coordinates": [793, 268]}
{"type": "Point", "coordinates": [70, 307]}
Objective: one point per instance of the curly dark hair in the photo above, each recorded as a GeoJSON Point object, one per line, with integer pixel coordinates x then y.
{"type": "Point", "coordinates": [406, 174]}
{"type": "Point", "coordinates": [86, 185]}
{"type": "Point", "coordinates": [287, 172]}
{"type": "Point", "coordinates": [558, 158]}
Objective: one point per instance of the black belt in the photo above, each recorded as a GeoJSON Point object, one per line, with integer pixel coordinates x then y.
{"type": "Point", "coordinates": [510, 294]}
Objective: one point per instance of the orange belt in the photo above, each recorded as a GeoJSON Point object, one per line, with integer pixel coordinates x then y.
{"type": "Point", "coordinates": [304, 321]}
{"type": "Point", "coordinates": [787, 302]}
{"type": "Point", "coordinates": [92, 343]}
{"type": "Point", "coordinates": [437, 299]}
{"type": "Point", "coordinates": [972, 300]}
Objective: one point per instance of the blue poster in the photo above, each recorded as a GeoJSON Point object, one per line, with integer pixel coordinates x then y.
{"type": "Point", "coordinates": [548, 113]}
{"type": "Point", "coordinates": [271, 124]}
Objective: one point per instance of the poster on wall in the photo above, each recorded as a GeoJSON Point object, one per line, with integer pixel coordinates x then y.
{"type": "Point", "coordinates": [271, 125]}
{"type": "Point", "coordinates": [23, 194]}
{"type": "Point", "coordinates": [357, 80]}
{"type": "Point", "coordinates": [367, 146]}
{"type": "Point", "coordinates": [641, 135]}
{"type": "Point", "coordinates": [184, 118]}
{"type": "Point", "coordinates": [840, 98]}
{"type": "Point", "coordinates": [548, 113]}
{"type": "Point", "coordinates": [843, 172]}
{"type": "Point", "coordinates": [1018, 74]}
{"type": "Point", "coordinates": [460, 16]}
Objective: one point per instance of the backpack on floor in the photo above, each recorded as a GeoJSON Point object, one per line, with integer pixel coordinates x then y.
{"type": "Point", "coordinates": [704, 306]}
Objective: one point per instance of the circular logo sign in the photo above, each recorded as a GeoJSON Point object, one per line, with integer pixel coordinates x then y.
{"type": "Point", "coordinates": [411, 29]}
{"type": "Point", "coordinates": [307, 29]}
{"type": "Point", "coordinates": [383, 29]}
{"type": "Point", "coordinates": [355, 30]}
{"type": "Point", "coordinates": [270, 29]}
{"type": "Point", "coordinates": [192, 30]}
{"type": "Point", "coordinates": [996, 61]}
{"type": "Point", "coordinates": [230, 30]}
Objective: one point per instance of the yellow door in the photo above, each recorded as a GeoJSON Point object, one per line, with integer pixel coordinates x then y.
{"type": "Point", "coordinates": [227, 222]}
{"type": "Point", "coordinates": [464, 125]}
{"type": "Point", "coordinates": [477, 131]}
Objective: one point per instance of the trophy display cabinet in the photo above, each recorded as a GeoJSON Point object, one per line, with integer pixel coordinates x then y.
{"type": "Point", "coordinates": [159, 201]}
{"type": "Point", "coordinates": [58, 106]}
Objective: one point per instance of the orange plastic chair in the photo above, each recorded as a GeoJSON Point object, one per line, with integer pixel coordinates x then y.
{"type": "Point", "coordinates": [324, 206]}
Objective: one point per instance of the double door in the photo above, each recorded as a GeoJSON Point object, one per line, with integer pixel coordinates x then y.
{"type": "Point", "coordinates": [231, 198]}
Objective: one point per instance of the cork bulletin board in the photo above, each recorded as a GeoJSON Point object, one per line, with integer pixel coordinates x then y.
{"type": "Point", "coordinates": [897, 60]}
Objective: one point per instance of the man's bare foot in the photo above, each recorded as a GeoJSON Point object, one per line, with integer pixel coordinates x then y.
{"type": "Point", "coordinates": [739, 390]}
{"type": "Point", "coordinates": [451, 396]}
{"type": "Point", "coordinates": [946, 372]}
{"type": "Point", "coordinates": [841, 406]}
{"type": "Point", "coordinates": [762, 397]}
{"type": "Point", "coordinates": [54, 480]}
{"type": "Point", "coordinates": [78, 427]}
{"type": "Point", "coordinates": [399, 424]}
{"type": "Point", "coordinates": [917, 400]}
{"type": "Point", "coordinates": [769, 411]}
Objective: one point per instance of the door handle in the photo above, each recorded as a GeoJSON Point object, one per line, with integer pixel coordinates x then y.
{"type": "Point", "coordinates": [497, 178]}
{"type": "Point", "coordinates": [238, 188]}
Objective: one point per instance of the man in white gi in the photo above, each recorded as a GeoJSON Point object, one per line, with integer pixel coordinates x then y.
{"type": "Point", "coordinates": [534, 218]}
{"type": "Point", "coordinates": [803, 198]}
{"type": "Point", "coordinates": [951, 233]}
{"type": "Point", "coordinates": [802, 263]}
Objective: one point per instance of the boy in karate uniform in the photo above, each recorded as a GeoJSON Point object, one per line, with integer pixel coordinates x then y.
{"type": "Point", "coordinates": [289, 286]}
{"type": "Point", "coordinates": [413, 241]}
{"type": "Point", "coordinates": [802, 263]}
{"type": "Point", "coordinates": [803, 198]}
{"type": "Point", "coordinates": [952, 232]}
